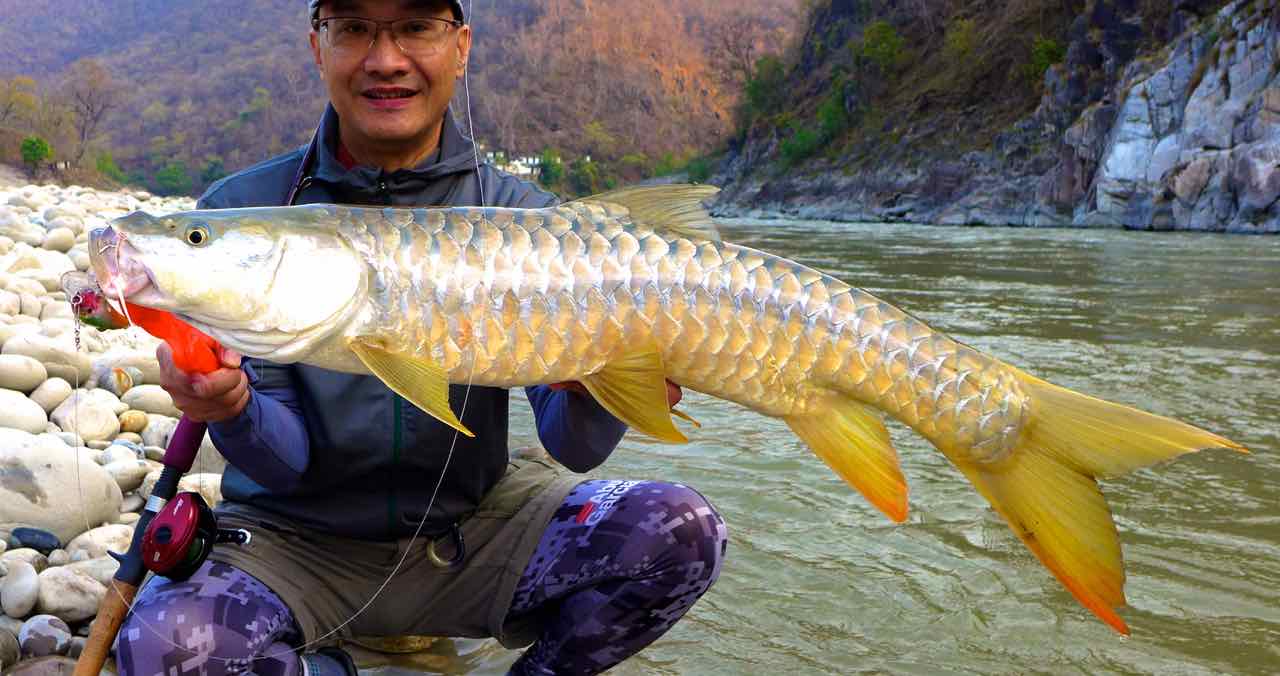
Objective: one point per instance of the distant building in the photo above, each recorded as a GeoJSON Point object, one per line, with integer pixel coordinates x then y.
{"type": "Point", "coordinates": [525, 166]}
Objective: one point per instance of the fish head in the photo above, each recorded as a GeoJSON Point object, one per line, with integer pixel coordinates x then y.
{"type": "Point", "coordinates": [268, 282]}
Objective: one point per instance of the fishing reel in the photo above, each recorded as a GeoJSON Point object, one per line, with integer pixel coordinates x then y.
{"type": "Point", "coordinates": [181, 536]}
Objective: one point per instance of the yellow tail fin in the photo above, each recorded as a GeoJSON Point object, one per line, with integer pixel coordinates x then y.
{"type": "Point", "coordinates": [1046, 490]}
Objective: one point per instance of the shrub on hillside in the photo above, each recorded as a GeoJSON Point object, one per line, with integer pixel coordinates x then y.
{"type": "Point", "coordinates": [35, 152]}
{"type": "Point", "coordinates": [1044, 53]}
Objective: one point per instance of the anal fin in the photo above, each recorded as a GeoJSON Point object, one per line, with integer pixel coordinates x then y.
{"type": "Point", "coordinates": [634, 389]}
{"type": "Point", "coordinates": [851, 438]}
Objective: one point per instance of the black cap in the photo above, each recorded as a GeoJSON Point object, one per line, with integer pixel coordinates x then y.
{"type": "Point", "coordinates": [456, 5]}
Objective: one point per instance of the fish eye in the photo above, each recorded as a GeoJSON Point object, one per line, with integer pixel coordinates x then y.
{"type": "Point", "coordinates": [197, 235]}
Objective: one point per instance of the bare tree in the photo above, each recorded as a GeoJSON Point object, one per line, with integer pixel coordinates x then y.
{"type": "Point", "coordinates": [736, 45]}
{"type": "Point", "coordinates": [92, 94]}
{"type": "Point", "coordinates": [17, 99]}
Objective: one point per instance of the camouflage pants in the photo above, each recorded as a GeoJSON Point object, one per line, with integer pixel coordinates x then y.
{"type": "Point", "coordinates": [619, 563]}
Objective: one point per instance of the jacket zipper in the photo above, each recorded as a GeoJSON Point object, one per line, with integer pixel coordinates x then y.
{"type": "Point", "coordinates": [393, 511]}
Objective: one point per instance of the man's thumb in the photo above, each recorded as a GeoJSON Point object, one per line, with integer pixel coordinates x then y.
{"type": "Point", "coordinates": [229, 358]}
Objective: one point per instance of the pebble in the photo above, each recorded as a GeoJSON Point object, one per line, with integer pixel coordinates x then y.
{"type": "Point", "coordinates": [88, 416]}
{"type": "Point", "coordinates": [8, 648]}
{"type": "Point", "coordinates": [117, 381]}
{"type": "Point", "coordinates": [151, 399]}
{"type": "Point", "coordinates": [69, 593]}
{"type": "Point", "coordinates": [134, 422]}
{"type": "Point", "coordinates": [20, 413]}
{"type": "Point", "coordinates": [59, 239]}
{"type": "Point", "coordinates": [159, 430]}
{"type": "Point", "coordinates": [58, 355]}
{"type": "Point", "coordinates": [128, 518]}
{"type": "Point", "coordinates": [128, 474]}
{"type": "Point", "coordinates": [19, 590]}
{"type": "Point", "coordinates": [21, 373]}
{"type": "Point", "coordinates": [132, 503]}
{"type": "Point", "coordinates": [44, 635]}
{"type": "Point", "coordinates": [97, 542]}
{"type": "Point", "coordinates": [129, 438]}
{"type": "Point", "coordinates": [59, 557]}
{"type": "Point", "coordinates": [25, 555]}
{"type": "Point", "coordinates": [38, 539]}
{"type": "Point", "coordinates": [51, 393]}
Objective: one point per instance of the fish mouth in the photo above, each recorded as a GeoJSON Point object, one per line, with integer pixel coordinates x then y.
{"type": "Point", "coordinates": [116, 266]}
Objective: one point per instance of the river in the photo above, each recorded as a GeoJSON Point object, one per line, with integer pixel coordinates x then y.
{"type": "Point", "coordinates": [818, 582]}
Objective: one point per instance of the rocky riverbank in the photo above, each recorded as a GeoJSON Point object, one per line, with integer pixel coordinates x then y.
{"type": "Point", "coordinates": [1184, 138]}
{"type": "Point", "coordinates": [83, 424]}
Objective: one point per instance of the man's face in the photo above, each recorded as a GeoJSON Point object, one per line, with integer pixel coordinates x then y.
{"type": "Point", "coordinates": [384, 96]}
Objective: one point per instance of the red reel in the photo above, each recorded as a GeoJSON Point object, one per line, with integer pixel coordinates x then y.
{"type": "Point", "coordinates": [180, 537]}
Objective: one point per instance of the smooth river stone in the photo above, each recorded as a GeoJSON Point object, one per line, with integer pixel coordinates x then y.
{"type": "Point", "coordinates": [133, 421]}
{"type": "Point", "coordinates": [36, 538]}
{"type": "Point", "coordinates": [9, 650]}
{"type": "Point", "coordinates": [50, 486]}
{"type": "Point", "coordinates": [70, 594]}
{"type": "Point", "coordinates": [21, 373]}
{"type": "Point", "coordinates": [20, 413]}
{"type": "Point", "coordinates": [58, 355]}
{"type": "Point", "coordinates": [88, 416]}
{"type": "Point", "coordinates": [151, 399]}
{"type": "Point", "coordinates": [20, 589]}
{"type": "Point", "coordinates": [44, 635]}
{"type": "Point", "coordinates": [50, 393]}
{"type": "Point", "coordinates": [59, 239]}
{"type": "Point", "coordinates": [97, 542]}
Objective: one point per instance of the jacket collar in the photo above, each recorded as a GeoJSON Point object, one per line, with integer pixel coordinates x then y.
{"type": "Point", "coordinates": [455, 154]}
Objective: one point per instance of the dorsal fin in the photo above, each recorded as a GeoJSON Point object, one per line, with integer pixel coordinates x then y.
{"type": "Point", "coordinates": [676, 208]}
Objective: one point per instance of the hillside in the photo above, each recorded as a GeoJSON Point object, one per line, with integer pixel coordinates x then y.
{"type": "Point", "coordinates": [1149, 115]}
{"type": "Point", "coordinates": [215, 86]}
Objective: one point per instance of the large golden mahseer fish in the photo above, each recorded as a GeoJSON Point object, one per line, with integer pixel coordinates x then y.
{"type": "Point", "coordinates": [623, 290]}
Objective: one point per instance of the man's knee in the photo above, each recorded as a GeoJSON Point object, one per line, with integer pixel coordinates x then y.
{"type": "Point", "coordinates": [219, 622]}
{"type": "Point", "coordinates": [687, 527]}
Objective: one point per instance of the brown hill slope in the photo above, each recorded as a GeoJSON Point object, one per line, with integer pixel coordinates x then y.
{"type": "Point", "coordinates": [230, 81]}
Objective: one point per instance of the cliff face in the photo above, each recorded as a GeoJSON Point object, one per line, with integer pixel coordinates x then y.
{"type": "Point", "coordinates": [1184, 135]}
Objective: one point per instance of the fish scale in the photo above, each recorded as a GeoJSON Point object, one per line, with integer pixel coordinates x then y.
{"type": "Point", "coordinates": [584, 281]}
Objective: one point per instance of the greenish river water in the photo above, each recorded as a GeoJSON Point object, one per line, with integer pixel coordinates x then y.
{"type": "Point", "coordinates": [818, 582]}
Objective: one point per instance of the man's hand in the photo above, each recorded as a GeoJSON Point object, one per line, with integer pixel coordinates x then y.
{"type": "Point", "coordinates": [205, 397]}
{"type": "Point", "coordinates": [674, 393]}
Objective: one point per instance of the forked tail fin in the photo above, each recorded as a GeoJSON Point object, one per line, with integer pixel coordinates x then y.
{"type": "Point", "coordinates": [1046, 490]}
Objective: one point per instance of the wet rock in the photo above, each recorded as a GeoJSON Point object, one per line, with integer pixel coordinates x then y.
{"type": "Point", "coordinates": [20, 413]}
{"type": "Point", "coordinates": [69, 593]}
{"type": "Point", "coordinates": [44, 635]}
{"type": "Point", "coordinates": [35, 538]}
{"type": "Point", "coordinates": [21, 373]}
{"type": "Point", "coordinates": [20, 589]}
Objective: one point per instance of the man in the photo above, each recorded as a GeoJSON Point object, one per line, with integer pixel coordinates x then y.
{"type": "Point", "coordinates": [333, 474]}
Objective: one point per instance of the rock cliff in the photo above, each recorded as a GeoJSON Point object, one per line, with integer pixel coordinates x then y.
{"type": "Point", "coordinates": [1184, 135]}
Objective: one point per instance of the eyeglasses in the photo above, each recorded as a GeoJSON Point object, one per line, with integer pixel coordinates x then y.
{"type": "Point", "coordinates": [415, 37]}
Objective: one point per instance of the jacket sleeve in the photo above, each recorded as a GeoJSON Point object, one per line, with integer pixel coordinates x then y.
{"type": "Point", "coordinates": [268, 441]}
{"type": "Point", "coordinates": [576, 430]}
